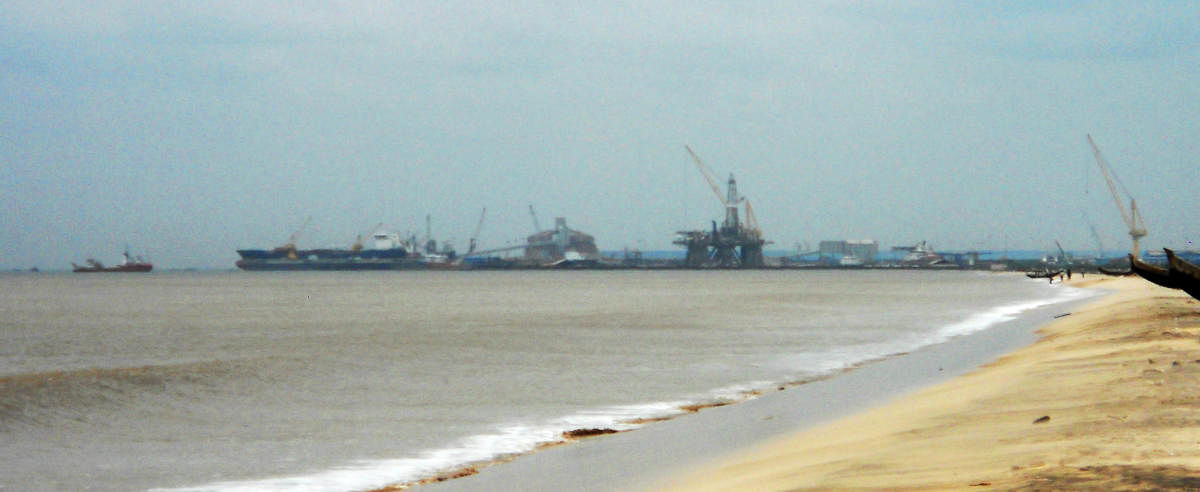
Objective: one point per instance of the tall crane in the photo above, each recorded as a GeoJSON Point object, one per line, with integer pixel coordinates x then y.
{"type": "Point", "coordinates": [1132, 217]}
{"type": "Point", "coordinates": [731, 199]}
{"type": "Point", "coordinates": [291, 242]}
{"type": "Point", "coordinates": [478, 229]}
{"type": "Point", "coordinates": [536, 227]}
{"type": "Point", "coordinates": [358, 244]}
{"type": "Point", "coordinates": [1063, 254]}
{"type": "Point", "coordinates": [1096, 236]}
{"type": "Point", "coordinates": [752, 221]}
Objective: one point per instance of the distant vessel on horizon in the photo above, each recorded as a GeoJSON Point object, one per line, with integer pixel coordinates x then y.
{"type": "Point", "coordinates": [850, 260]}
{"type": "Point", "coordinates": [128, 264]}
{"type": "Point", "coordinates": [921, 255]}
{"type": "Point", "coordinates": [389, 253]}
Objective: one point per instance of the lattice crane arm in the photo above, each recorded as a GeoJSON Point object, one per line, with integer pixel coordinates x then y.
{"type": "Point", "coordinates": [292, 239]}
{"type": "Point", "coordinates": [357, 245]}
{"type": "Point", "coordinates": [1062, 252]}
{"type": "Point", "coordinates": [478, 229]}
{"type": "Point", "coordinates": [1139, 224]}
{"type": "Point", "coordinates": [752, 220]}
{"type": "Point", "coordinates": [536, 227]}
{"type": "Point", "coordinates": [1132, 217]}
{"type": "Point", "coordinates": [708, 175]}
{"type": "Point", "coordinates": [479, 225]}
{"type": "Point", "coordinates": [1126, 215]}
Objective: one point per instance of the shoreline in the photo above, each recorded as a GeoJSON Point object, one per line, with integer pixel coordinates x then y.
{"type": "Point", "coordinates": [629, 459]}
{"type": "Point", "coordinates": [1106, 399]}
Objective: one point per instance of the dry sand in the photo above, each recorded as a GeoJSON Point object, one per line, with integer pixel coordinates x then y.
{"type": "Point", "coordinates": [1107, 399]}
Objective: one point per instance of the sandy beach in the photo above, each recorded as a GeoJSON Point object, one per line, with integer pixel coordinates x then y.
{"type": "Point", "coordinates": [1108, 398]}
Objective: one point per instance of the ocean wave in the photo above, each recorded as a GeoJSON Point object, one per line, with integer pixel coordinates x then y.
{"type": "Point", "coordinates": [999, 314]}
{"type": "Point", "coordinates": [505, 441]}
{"type": "Point", "coordinates": [49, 397]}
{"type": "Point", "coordinates": [834, 360]}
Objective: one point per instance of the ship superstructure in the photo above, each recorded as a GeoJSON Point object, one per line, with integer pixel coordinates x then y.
{"type": "Point", "coordinates": [128, 264]}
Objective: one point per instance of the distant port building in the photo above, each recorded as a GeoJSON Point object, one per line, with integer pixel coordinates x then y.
{"type": "Point", "coordinates": [561, 243]}
{"type": "Point", "coordinates": [850, 252]}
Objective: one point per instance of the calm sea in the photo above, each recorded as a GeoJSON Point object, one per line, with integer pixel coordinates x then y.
{"type": "Point", "coordinates": [347, 381]}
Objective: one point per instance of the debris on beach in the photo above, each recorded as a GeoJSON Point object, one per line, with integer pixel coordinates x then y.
{"type": "Point", "coordinates": [581, 433]}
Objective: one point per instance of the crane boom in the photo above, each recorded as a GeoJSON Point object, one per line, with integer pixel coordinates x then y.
{"type": "Point", "coordinates": [292, 239]}
{"type": "Point", "coordinates": [536, 228]}
{"type": "Point", "coordinates": [708, 175]}
{"type": "Point", "coordinates": [1066, 259]}
{"type": "Point", "coordinates": [1112, 186]}
{"type": "Point", "coordinates": [357, 245]}
{"type": "Point", "coordinates": [478, 229]}
{"type": "Point", "coordinates": [752, 220]}
{"type": "Point", "coordinates": [1099, 244]}
{"type": "Point", "coordinates": [1132, 217]}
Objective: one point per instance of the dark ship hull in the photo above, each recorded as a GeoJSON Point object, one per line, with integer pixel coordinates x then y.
{"type": "Point", "coordinates": [1154, 273]}
{"type": "Point", "coordinates": [1185, 274]}
{"type": "Point", "coordinates": [128, 265]}
{"type": "Point", "coordinates": [325, 259]}
{"type": "Point", "coordinates": [128, 268]}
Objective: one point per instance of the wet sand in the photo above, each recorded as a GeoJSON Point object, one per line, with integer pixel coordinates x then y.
{"type": "Point", "coordinates": [1108, 398]}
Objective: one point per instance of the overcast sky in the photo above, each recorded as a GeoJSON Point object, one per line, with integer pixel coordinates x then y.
{"type": "Point", "coordinates": [186, 130]}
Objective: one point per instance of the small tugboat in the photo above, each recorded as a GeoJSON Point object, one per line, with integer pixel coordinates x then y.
{"type": "Point", "coordinates": [128, 264]}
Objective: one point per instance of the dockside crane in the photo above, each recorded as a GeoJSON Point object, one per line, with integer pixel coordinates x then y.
{"type": "Point", "coordinates": [478, 229]}
{"type": "Point", "coordinates": [1063, 254]}
{"type": "Point", "coordinates": [536, 227]}
{"type": "Point", "coordinates": [752, 221]}
{"type": "Point", "coordinates": [1099, 243]}
{"type": "Point", "coordinates": [358, 241]}
{"type": "Point", "coordinates": [1132, 217]}
{"type": "Point", "coordinates": [730, 200]}
{"type": "Point", "coordinates": [291, 242]}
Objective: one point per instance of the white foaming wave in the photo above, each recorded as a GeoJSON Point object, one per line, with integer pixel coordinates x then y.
{"type": "Point", "coordinates": [999, 314]}
{"type": "Point", "coordinates": [619, 417]}
{"type": "Point", "coordinates": [838, 359]}
{"type": "Point", "coordinates": [742, 391]}
{"type": "Point", "coordinates": [507, 440]}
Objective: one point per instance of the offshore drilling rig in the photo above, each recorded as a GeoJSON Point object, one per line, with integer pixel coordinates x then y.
{"type": "Point", "coordinates": [733, 244]}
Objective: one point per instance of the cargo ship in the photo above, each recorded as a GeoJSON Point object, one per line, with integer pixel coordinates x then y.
{"type": "Point", "coordinates": [388, 253]}
{"type": "Point", "coordinates": [128, 265]}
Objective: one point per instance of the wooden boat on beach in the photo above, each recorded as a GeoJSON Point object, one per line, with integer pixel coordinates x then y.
{"type": "Point", "coordinates": [1185, 274]}
{"type": "Point", "coordinates": [1115, 272]}
{"type": "Point", "coordinates": [1044, 273]}
{"type": "Point", "coordinates": [1153, 273]}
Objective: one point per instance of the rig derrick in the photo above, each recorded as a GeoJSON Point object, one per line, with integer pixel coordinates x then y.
{"type": "Point", "coordinates": [733, 244]}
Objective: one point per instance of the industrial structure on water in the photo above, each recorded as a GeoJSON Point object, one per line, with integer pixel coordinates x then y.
{"type": "Point", "coordinates": [733, 244]}
{"type": "Point", "coordinates": [736, 242]}
{"type": "Point", "coordinates": [560, 247]}
{"type": "Point", "coordinates": [557, 247]}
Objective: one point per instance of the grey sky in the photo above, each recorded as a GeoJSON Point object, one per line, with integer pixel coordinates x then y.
{"type": "Point", "coordinates": [189, 129]}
